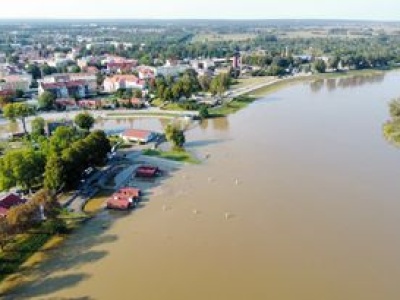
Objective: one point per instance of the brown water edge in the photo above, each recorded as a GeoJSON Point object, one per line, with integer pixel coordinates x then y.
{"type": "Point", "coordinates": [298, 200]}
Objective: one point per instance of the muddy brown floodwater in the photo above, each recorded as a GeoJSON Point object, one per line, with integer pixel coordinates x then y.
{"type": "Point", "coordinates": [299, 199]}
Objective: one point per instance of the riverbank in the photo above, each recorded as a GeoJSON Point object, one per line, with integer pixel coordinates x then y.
{"type": "Point", "coordinates": [199, 210]}
{"type": "Point", "coordinates": [180, 156]}
{"type": "Point", "coordinates": [262, 89]}
{"type": "Point", "coordinates": [249, 94]}
{"type": "Point", "coordinates": [28, 250]}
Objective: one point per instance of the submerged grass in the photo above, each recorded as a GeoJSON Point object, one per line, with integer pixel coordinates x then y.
{"type": "Point", "coordinates": [26, 249]}
{"type": "Point", "coordinates": [181, 156]}
{"type": "Point", "coordinates": [95, 204]}
{"type": "Point", "coordinates": [231, 107]}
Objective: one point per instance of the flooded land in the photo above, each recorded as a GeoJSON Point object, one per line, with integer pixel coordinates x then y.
{"type": "Point", "coordinates": [298, 199]}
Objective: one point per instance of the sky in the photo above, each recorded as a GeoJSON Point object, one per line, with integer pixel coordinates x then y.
{"type": "Point", "coordinates": [386, 10]}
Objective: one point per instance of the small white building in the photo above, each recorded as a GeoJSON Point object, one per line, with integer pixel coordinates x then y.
{"type": "Point", "coordinates": [112, 84]}
{"type": "Point", "coordinates": [138, 136]}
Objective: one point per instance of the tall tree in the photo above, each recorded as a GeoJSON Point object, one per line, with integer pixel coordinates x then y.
{"type": "Point", "coordinates": [394, 108]}
{"type": "Point", "coordinates": [84, 121]}
{"type": "Point", "coordinates": [38, 126]}
{"type": "Point", "coordinates": [21, 167]}
{"type": "Point", "coordinates": [4, 233]}
{"type": "Point", "coordinates": [47, 100]}
{"type": "Point", "coordinates": [14, 111]}
{"type": "Point", "coordinates": [175, 136]}
{"type": "Point", "coordinates": [54, 174]}
{"type": "Point", "coordinates": [320, 66]}
{"type": "Point", "coordinates": [62, 138]}
{"type": "Point", "coordinates": [35, 71]}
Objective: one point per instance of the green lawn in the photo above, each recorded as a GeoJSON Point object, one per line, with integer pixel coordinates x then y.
{"type": "Point", "coordinates": [138, 114]}
{"type": "Point", "coordinates": [231, 107]}
{"type": "Point", "coordinates": [19, 250]}
{"type": "Point", "coordinates": [95, 204]}
{"type": "Point", "coordinates": [181, 156]}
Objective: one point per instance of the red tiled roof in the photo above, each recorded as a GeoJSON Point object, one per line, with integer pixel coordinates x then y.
{"type": "Point", "coordinates": [11, 200]}
{"type": "Point", "coordinates": [137, 133]}
{"type": "Point", "coordinates": [68, 84]}
{"type": "Point", "coordinates": [66, 101]}
{"type": "Point", "coordinates": [6, 93]}
{"type": "Point", "coordinates": [8, 202]}
{"type": "Point", "coordinates": [92, 70]}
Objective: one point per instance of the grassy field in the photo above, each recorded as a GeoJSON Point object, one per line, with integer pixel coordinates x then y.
{"type": "Point", "coordinates": [247, 82]}
{"type": "Point", "coordinates": [288, 81]}
{"type": "Point", "coordinates": [95, 204]}
{"type": "Point", "coordinates": [214, 37]}
{"type": "Point", "coordinates": [135, 115]}
{"type": "Point", "coordinates": [181, 156]}
{"type": "Point", "coordinates": [27, 249]}
{"type": "Point", "coordinates": [231, 107]}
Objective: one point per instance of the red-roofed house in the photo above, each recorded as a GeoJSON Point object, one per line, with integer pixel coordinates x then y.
{"type": "Point", "coordinates": [112, 84]}
{"type": "Point", "coordinates": [137, 135]}
{"type": "Point", "coordinates": [135, 102]}
{"type": "Point", "coordinates": [146, 72]}
{"type": "Point", "coordinates": [16, 82]}
{"type": "Point", "coordinates": [78, 88]}
{"type": "Point", "coordinates": [8, 202]}
{"type": "Point", "coordinates": [66, 103]}
{"type": "Point", "coordinates": [90, 103]}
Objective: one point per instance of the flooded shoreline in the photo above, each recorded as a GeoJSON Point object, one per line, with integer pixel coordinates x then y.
{"type": "Point", "coordinates": [298, 200]}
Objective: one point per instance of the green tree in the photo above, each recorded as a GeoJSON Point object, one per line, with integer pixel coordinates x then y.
{"type": "Point", "coordinates": [319, 66]}
{"type": "Point", "coordinates": [75, 69]}
{"type": "Point", "coordinates": [394, 108]}
{"type": "Point", "coordinates": [19, 93]}
{"type": "Point", "coordinates": [84, 121]}
{"type": "Point", "coordinates": [175, 136]}
{"type": "Point", "coordinates": [220, 84]}
{"type": "Point", "coordinates": [5, 233]}
{"type": "Point", "coordinates": [21, 111]}
{"type": "Point", "coordinates": [168, 95]}
{"type": "Point", "coordinates": [35, 71]}
{"type": "Point", "coordinates": [176, 90]}
{"type": "Point", "coordinates": [38, 126]}
{"type": "Point", "coordinates": [137, 93]}
{"type": "Point", "coordinates": [203, 112]}
{"type": "Point", "coordinates": [21, 167]}
{"type": "Point", "coordinates": [47, 70]}
{"type": "Point", "coordinates": [47, 100]}
{"type": "Point", "coordinates": [4, 100]}
{"type": "Point", "coordinates": [54, 174]}
{"type": "Point", "coordinates": [205, 82]}
{"type": "Point", "coordinates": [99, 79]}
{"type": "Point", "coordinates": [62, 138]}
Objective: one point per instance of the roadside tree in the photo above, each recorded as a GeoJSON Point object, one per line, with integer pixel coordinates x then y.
{"type": "Point", "coordinates": [20, 111]}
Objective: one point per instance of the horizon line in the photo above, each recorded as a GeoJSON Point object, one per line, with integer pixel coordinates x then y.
{"type": "Point", "coordinates": [190, 19]}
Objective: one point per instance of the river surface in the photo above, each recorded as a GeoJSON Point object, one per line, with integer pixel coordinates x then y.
{"type": "Point", "coordinates": [299, 199]}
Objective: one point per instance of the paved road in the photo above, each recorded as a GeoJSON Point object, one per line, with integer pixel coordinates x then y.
{"type": "Point", "coordinates": [87, 190]}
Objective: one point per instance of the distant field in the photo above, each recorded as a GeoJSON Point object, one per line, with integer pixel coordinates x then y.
{"type": "Point", "coordinates": [250, 81]}
{"type": "Point", "coordinates": [214, 37]}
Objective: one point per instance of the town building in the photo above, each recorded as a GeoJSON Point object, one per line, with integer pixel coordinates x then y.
{"type": "Point", "coordinates": [66, 104]}
{"type": "Point", "coordinates": [16, 82]}
{"type": "Point", "coordinates": [116, 82]}
{"type": "Point", "coordinates": [146, 72]}
{"type": "Point", "coordinates": [89, 79]}
{"type": "Point", "coordinates": [138, 136]}
{"type": "Point", "coordinates": [9, 201]}
{"type": "Point", "coordinates": [78, 89]}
